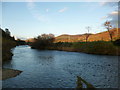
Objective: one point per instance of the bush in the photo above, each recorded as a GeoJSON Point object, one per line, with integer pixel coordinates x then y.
{"type": "Point", "coordinates": [43, 41]}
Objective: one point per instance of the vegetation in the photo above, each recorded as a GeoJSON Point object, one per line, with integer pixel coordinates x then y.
{"type": "Point", "coordinates": [108, 26]}
{"type": "Point", "coordinates": [117, 42]}
{"type": "Point", "coordinates": [87, 34]}
{"type": "Point", "coordinates": [20, 42]}
{"type": "Point", "coordinates": [8, 42]}
{"type": "Point", "coordinates": [102, 36]}
{"type": "Point", "coordinates": [92, 44]}
{"type": "Point", "coordinates": [97, 47]}
{"type": "Point", "coordinates": [43, 41]}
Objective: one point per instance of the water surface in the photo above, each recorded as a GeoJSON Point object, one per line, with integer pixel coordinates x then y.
{"type": "Point", "coordinates": [59, 69]}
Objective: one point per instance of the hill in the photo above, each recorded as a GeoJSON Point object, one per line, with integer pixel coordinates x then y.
{"type": "Point", "coordinates": [30, 40]}
{"type": "Point", "coordinates": [102, 36]}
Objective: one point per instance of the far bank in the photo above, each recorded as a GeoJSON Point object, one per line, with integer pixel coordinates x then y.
{"type": "Point", "coordinates": [96, 47]}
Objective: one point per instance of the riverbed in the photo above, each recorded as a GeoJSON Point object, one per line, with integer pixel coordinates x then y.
{"type": "Point", "coordinates": [59, 69]}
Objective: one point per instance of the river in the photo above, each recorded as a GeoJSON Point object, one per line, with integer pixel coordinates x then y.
{"type": "Point", "coordinates": [59, 69]}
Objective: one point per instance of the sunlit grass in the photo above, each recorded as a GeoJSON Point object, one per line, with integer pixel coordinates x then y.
{"type": "Point", "coordinates": [96, 47]}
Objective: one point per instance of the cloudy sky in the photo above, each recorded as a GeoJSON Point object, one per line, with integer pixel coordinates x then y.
{"type": "Point", "coordinates": [30, 19]}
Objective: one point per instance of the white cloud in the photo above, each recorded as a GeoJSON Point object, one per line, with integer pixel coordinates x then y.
{"type": "Point", "coordinates": [63, 10]}
{"type": "Point", "coordinates": [35, 12]}
{"type": "Point", "coordinates": [108, 3]}
{"type": "Point", "coordinates": [113, 18]}
{"type": "Point", "coordinates": [114, 13]}
{"type": "Point", "coordinates": [104, 3]}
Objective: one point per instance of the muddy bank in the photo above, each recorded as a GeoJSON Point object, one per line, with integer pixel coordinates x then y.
{"type": "Point", "coordinates": [9, 73]}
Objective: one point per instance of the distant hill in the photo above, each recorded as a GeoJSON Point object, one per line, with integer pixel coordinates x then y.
{"type": "Point", "coordinates": [104, 36]}
{"type": "Point", "coordinates": [30, 40]}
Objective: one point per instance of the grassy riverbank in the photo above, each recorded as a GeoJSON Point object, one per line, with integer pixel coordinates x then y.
{"type": "Point", "coordinates": [99, 47]}
{"type": "Point", "coordinates": [7, 43]}
{"type": "Point", "coordinates": [47, 41]}
{"type": "Point", "coordinates": [96, 47]}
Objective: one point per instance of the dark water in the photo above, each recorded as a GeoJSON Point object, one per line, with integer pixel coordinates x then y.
{"type": "Point", "coordinates": [59, 69]}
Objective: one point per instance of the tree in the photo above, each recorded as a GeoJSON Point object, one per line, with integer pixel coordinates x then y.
{"type": "Point", "coordinates": [43, 41]}
{"type": "Point", "coordinates": [87, 34]}
{"type": "Point", "coordinates": [7, 31]}
{"type": "Point", "coordinates": [108, 26]}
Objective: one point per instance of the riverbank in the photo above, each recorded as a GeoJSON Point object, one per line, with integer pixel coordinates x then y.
{"type": "Point", "coordinates": [9, 73]}
{"type": "Point", "coordinates": [96, 47]}
{"type": "Point", "coordinates": [7, 43]}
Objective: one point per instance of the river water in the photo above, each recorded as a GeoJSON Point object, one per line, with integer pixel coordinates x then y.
{"type": "Point", "coordinates": [59, 69]}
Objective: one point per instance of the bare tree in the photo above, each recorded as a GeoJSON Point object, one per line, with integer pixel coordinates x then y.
{"type": "Point", "coordinates": [87, 34]}
{"type": "Point", "coordinates": [108, 26]}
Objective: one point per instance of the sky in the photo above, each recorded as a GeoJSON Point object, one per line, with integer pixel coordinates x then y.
{"type": "Point", "coordinates": [30, 19]}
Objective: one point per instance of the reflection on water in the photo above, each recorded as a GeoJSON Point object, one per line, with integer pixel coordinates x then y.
{"type": "Point", "coordinates": [43, 57]}
{"type": "Point", "coordinates": [59, 69]}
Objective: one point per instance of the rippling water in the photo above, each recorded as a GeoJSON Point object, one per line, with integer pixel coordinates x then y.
{"type": "Point", "coordinates": [59, 69]}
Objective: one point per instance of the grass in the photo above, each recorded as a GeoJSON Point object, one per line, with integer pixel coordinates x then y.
{"type": "Point", "coordinates": [96, 47]}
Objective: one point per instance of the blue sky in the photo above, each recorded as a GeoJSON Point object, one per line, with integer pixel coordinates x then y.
{"type": "Point", "coordinates": [30, 19]}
